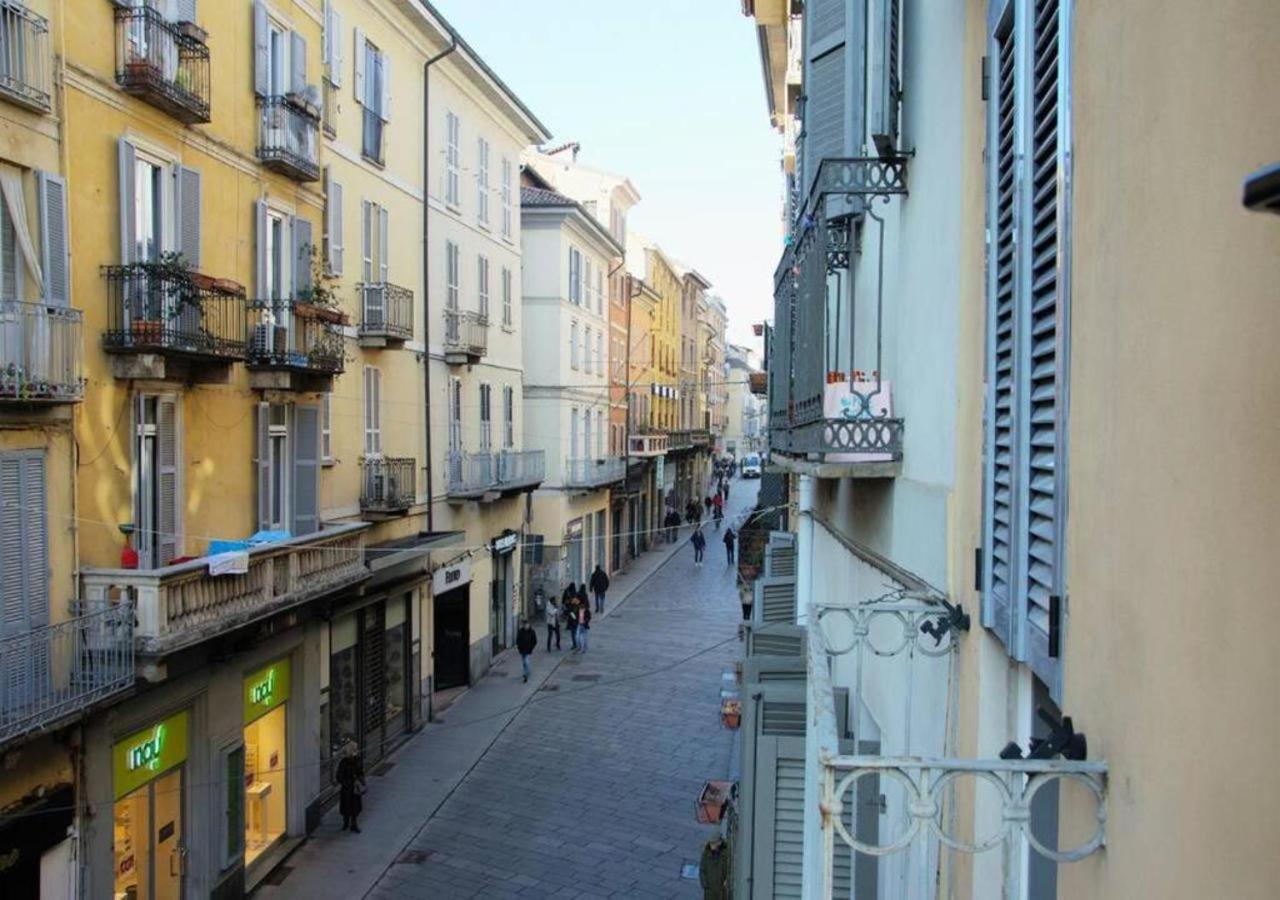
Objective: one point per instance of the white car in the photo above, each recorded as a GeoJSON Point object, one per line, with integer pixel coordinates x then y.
{"type": "Point", "coordinates": [751, 465]}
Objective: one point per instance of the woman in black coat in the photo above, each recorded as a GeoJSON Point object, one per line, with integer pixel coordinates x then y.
{"type": "Point", "coordinates": [350, 787]}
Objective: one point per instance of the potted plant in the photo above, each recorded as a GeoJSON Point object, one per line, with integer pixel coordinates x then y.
{"type": "Point", "coordinates": [320, 300]}
{"type": "Point", "coordinates": [712, 801]}
{"type": "Point", "coordinates": [731, 714]}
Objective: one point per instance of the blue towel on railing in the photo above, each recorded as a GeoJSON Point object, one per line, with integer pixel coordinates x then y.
{"type": "Point", "coordinates": [268, 537]}
{"type": "Point", "coordinates": [217, 547]}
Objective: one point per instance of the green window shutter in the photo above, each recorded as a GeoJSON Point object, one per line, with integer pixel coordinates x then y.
{"type": "Point", "coordinates": [306, 469]}
{"type": "Point", "coordinates": [834, 79]}
{"type": "Point", "coordinates": [167, 498]}
{"type": "Point", "coordinates": [775, 599]}
{"type": "Point", "coordinates": [54, 245]}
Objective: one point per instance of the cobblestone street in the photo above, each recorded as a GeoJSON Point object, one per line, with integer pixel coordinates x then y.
{"type": "Point", "coordinates": [587, 786]}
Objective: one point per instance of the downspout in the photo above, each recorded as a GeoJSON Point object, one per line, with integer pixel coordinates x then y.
{"type": "Point", "coordinates": [426, 270]}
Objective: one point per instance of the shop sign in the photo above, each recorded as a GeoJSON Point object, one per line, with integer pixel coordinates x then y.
{"type": "Point", "coordinates": [450, 577]}
{"type": "Point", "coordinates": [266, 689]}
{"type": "Point", "coordinates": [149, 753]}
{"type": "Point", "coordinates": [506, 543]}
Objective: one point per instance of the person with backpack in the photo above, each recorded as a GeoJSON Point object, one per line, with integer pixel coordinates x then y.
{"type": "Point", "coordinates": [526, 643]}
{"type": "Point", "coordinates": [599, 584]}
{"type": "Point", "coordinates": [699, 542]}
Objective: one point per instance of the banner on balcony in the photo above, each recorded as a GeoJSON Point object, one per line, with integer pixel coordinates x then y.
{"type": "Point", "coordinates": [857, 401]}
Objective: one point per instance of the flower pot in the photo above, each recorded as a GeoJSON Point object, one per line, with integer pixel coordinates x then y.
{"type": "Point", "coordinates": [835, 377]}
{"type": "Point", "coordinates": [712, 801]}
{"type": "Point", "coordinates": [731, 714]}
{"type": "Point", "coordinates": [145, 331]}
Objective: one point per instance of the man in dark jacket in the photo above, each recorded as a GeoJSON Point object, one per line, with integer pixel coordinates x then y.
{"type": "Point", "coordinates": [699, 542]}
{"type": "Point", "coordinates": [599, 584]}
{"type": "Point", "coordinates": [526, 641]}
{"type": "Point", "coordinates": [729, 540]}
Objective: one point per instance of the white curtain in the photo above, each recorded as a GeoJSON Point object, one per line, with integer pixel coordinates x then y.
{"type": "Point", "coordinates": [15, 203]}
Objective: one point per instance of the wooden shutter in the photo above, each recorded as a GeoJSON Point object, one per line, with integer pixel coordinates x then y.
{"type": "Point", "coordinates": [383, 243]}
{"type": "Point", "coordinates": [188, 202]}
{"type": "Point", "coordinates": [167, 499]}
{"type": "Point", "coordinates": [779, 832]}
{"type": "Point", "coordinates": [366, 240]}
{"type": "Point", "coordinates": [357, 54]}
{"type": "Point", "coordinates": [297, 63]}
{"type": "Point", "coordinates": [24, 573]}
{"type": "Point", "coordinates": [263, 460]}
{"type": "Point", "coordinates": [999, 505]}
{"type": "Point", "coordinates": [126, 158]}
{"type": "Point", "coordinates": [775, 639]}
{"type": "Point", "coordinates": [834, 80]}
{"type": "Point", "coordinates": [260, 244]}
{"type": "Point", "coordinates": [301, 234]}
{"type": "Point", "coordinates": [886, 74]}
{"type": "Point", "coordinates": [306, 469]}
{"type": "Point", "coordinates": [384, 101]}
{"type": "Point", "coordinates": [334, 25]}
{"type": "Point", "coordinates": [54, 246]}
{"type": "Point", "coordinates": [336, 245]}
{"type": "Point", "coordinates": [261, 51]}
{"type": "Point", "coordinates": [775, 599]}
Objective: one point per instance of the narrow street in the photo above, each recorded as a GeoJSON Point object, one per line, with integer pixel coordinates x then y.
{"type": "Point", "coordinates": [579, 784]}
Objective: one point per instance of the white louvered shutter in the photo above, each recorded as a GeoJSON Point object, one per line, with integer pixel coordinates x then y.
{"type": "Point", "coordinates": [167, 498]}
{"type": "Point", "coordinates": [384, 101]}
{"type": "Point", "coordinates": [126, 158]}
{"type": "Point", "coordinates": [336, 240]}
{"type": "Point", "coordinates": [260, 250]}
{"type": "Point", "coordinates": [306, 470]}
{"type": "Point", "coordinates": [185, 11]}
{"type": "Point", "coordinates": [261, 51]}
{"type": "Point", "coordinates": [297, 64]}
{"type": "Point", "coordinates": [335, 47]}
{"type": "Point", "coordinates": [384, 237]}
{"type": "Point", "coordinates": [357, 55]}
{"type": "Point", "coordinates": [54, 245]}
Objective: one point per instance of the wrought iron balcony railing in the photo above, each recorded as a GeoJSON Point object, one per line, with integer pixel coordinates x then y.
{"type": "Point", "coordinates": [25, 69]}
{"type": "Point", "coordinates": [593, 473]}
{"type": "Point", "coordinates": [288, 137]}
{"type": "Point", "coordinates": [466, 336]}
{"type": "Point", "coordinates": [41, 353]}
{"type": "Point", "coordinates": [681, 440]}
{"type": "Point", "coordinates": [164, 63]}
{"type": "Point", "coordinates": [182, 604]}
{"type": "Point", "coordinates": [56, 672]}
{"type": "Point", "coordinates": [294, 335]}
{"type": "Point", "coordinates": [472, 475]}
{"type": "Point", "coordinates": [845, 440]}
{"type": "Point", "coordinates": [387, 312]}
{"type": "Point", "coordinates": [159, 308]}
{"type": "Point", "coordinates": [389, 485]}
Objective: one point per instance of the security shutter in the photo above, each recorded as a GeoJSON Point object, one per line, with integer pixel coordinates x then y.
{"type": "Point", "coordinates": [263, 465]}
{"type": "Point", "coordinates": [306, 469]}
{"type": "Point", "coordinates": [373, 686]}
{"type": "Point", "coordinates": [302, 282]}
{"type": "Point", "coordinates": [886, 74]}
{"type": "Point", "coordinates": [297, 63]}
{"type": "Point", "coordinates": [188, 201]}
{"type": "Point", "coordinates": [261, 52]}
{"type": "Point", "coordinates": [54, 246]}
{"type": "Point", "coordinates": [126, 157]}
{"type": "Point", "coordinates": [834, 78]}
{"type": "Point", "coordinates": [167, 498]}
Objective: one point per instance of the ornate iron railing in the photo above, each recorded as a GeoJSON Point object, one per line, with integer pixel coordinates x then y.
{"type": "Point", "coordinates": [183, 604]}
{"type": "Point", "coordinates": [875, 437]}
{"type": "Point", "coordinates": [593, 473]}
{"type": "Point", "coordinates": [291, 334]}
{"type": "Point", "coordinates": [154, 308]}
{"type": "Point", "coordinates": [41, 353]}
{"type": "Point", "coordinates": [387, 310]}
{"type": "Point", "coordinates": [653, 443]}
{"type": "Point", "coordinates": [25, 71]}
{"type": "Point", "coordinates": [288, 138]}
{"type": "Point", "coordinates": [164, 63]}
{"type": "Point", "coordinates": [679, 440]}
{"type": "Point", "coordinates": [472, 475]}
{"type": "Point", "coordinates": [54, 672]}
{"type": "Point", "coordinates": [466, 335]}
{"type": "Point", "coordinates": [389, 484]}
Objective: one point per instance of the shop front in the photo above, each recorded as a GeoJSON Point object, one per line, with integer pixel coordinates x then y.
{"type": "Point", "coordinates": [265, 761]}
{"type": "Point", "coordinates": [370, 682]}
{"type": "Point", "coordinates": [451, 621]}
{"type": "Point", "coordinates": [502, 611]}
{"type": "Point", "coordinates": [148, 835]}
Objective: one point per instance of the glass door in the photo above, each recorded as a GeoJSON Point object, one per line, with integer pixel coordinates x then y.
{"type": "Point", "coordinates": [150, 857]}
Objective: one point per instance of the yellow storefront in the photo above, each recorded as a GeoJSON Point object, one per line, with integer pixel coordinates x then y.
{"type": "Point", "coordinates": [148, 769]}
{"type": "Point", "coordinates": [266, 767]}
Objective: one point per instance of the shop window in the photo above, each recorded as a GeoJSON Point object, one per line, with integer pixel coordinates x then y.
{"type": "Point", "coordinates": [265, 764]}
{"type": "Point", "coordinates": [147, 835]}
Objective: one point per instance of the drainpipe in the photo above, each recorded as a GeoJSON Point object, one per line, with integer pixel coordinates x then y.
{"type": "Point", "coordinates": [804, 551]}
{"type": "Point", "coordinates": [426, 269]}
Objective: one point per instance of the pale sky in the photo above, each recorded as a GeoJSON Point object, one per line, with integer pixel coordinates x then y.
{"type": "Point", "coordinates": [668, 93]}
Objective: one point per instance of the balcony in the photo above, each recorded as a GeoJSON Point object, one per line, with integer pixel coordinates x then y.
{"type": "Point", "coordinates": [648, 444]}
{"type": "Point", "coordinates": [164, 322]}
{"type": "Point", "coordinates": [388, 486]}
{"type": "Point", "coordinates": [386, 314]}
{"type": "Point", "coordinates": [488, 476]}
{"type": "Point", "coordinates": [54, 673]}
{"type": "Point", "coordinates": [679, 441]}
{"type": "Point", "coordinates": [288, 137]}
{"type": "Point", "coordinates": [466, 337]}
{"type": "Point", "coordinates": [25, 71]}
{"type": "Point", "coordinates": [294, 346]}
{"type": "Point", "coordinates": [588, 474]}
{"type": "Point", "coordinates": [40, 353]}
{"type": "Point", "coordinates": [758, 382]}
{"type": "Point", "coordinates": [181, 605]}
{"type": "Point", "coordinates": [164, 63]}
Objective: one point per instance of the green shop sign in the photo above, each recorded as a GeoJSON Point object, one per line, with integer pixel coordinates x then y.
{"type": "Point", "coordinates": [266, 689]}
{"type": "Point", "coordinates": [149, 753]}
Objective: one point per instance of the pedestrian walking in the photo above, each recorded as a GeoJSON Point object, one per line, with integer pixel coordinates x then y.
{"type": "Point", "coordinates": [718, 515]}
{"type": "Point", "coordinates": [526, 643]}
{"type": "Point", "coordinates": [584, 622]}
{"type": "Point", "coordinates": [713, 869]}
{"type": "Point", "coordinates": [570, 613]}
{"type": "Point", "coordinates": [553, 622]}
{"type": "Point", "coordinates": [730, 539]}
{"type": "Point", "coordinates": [724, 489]}
{"type": "Point", "coordinates": [699, 542]}
{"type": "Point", "coordinates": [599, 584]}
{"type": "Point", "coordinates": [707, 504]}
{"type": "Point", "coordinates": [351, 786]}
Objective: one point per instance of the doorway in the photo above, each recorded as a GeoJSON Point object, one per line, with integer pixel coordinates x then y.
{"type": "Point", "coordinates": [147, 840]}
{"type": "Point", "coordinates": [617, 540]}
{"type": "Point", "coordinates": [452, 635]}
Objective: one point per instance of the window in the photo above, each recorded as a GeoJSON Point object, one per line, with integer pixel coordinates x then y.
{"type": "Point", "coordinates": [372, 411]}
{"type": "Point", "coordinates": [482, 284]}
{"type": "Point", "coordinates": [600, 291]}
{"type": "Point", "coordinates": [508, 417]}
{"type": "Point", "coordinates": [575, 276]}
{"type": "Point", "coordinates": [573, 432]}
{"type": "Point", "coordinates": [326, 429]}
{"type": "Point", "coordinates": [375, 234]}
{"type": "Point", "coordinates": [600, 354]}
{"type": "Point", "coordinates": [1025, 490]}
{"type": "Point", "coordinates": [451, 285]}
{"type": "Point", "coordinates": [277, 59]}
{"type": "Point", "coordinates": [375, 102]}
{"type": "Point", "coordinates": [507, 214]}
{"type": "Point", "coordinates": [276, 257]}
{"type": "Point", "coordinates": [486, 418]}
{"type": "Point", "coordinates": [507, 314]}
{"type": "Point", "coordinates": [586, 433]}
{"type": "Point", "coordinates": [333, 242]}
{"type": "Point", "coordinates": [573, 345]}
{"type": "Point", "coordinates": [278, 461]}
{"type": "Point", "coordinates": [156, 502]}
{"type": "Point", "coordinates": [586, 351]}
{"type": "Point", "coordinates": [482, 181]}
{"type": "Point", "coordinates": [452, 162]}
{"type": "Point", "coordinates": [455, 415]}
{"type": "Point", "coordinates": [587, 282]}
{"type": "Point", "coordinates": [233, 805]}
